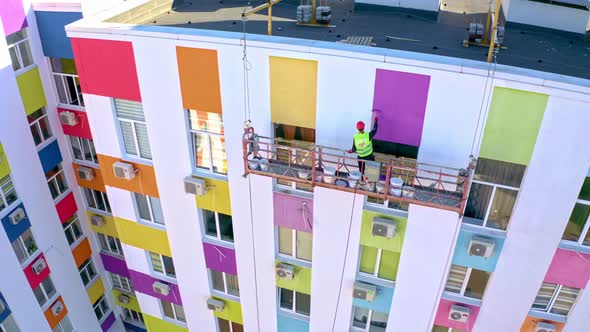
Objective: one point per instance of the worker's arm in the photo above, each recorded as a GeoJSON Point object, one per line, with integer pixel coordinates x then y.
{"type": "Point", "coordinates": [374, 130]}
{"type": "Point", "coordinates": [353, 147]}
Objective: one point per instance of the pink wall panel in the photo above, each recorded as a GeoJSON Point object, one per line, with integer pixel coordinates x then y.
{"type": "Point", "coordinates": [442, 316]}
{"type": "Point", "coordinates": [35, 279]}
{"type": "Point", "coordinates": [66, 207]}
{"type": "Point", "coordinates": [82, 129]}
{"type": "Point", "coordinates": [569, 268]}
{"type": "Point", "coordinates": [106, 68]}
{"type": "Point", "coordinates": [290, 212]}
{"type": "Point", "coordinates": [13, 16]}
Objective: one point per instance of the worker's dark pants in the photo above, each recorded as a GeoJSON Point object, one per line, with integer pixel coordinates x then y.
{"type": "Point", "coordinates": [362, 164]}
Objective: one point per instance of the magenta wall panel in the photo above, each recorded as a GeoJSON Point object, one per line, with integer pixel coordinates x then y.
{"type": "Point", "coordinates": [220, 259]}
{"type": "Point", "coordinates": [143, 283]}
{"type": "Point", "coordinates": [35, 279]}
{"type": "Point", "coordinates": [442, 316]}
{"type": "Point", "coordinates": [400, 102]}
{"type": "Point", "coordinates": [290, 212]}
{"type": "Point", "coordinates": [82, 129]}
{"type": "Point", "coordinates": [13, 16]}
{"type": "Point", "coordinates": [66, 207]}
{"type": "Point", "coordinates": [108, 322]}
{"type": "Point", "coordinates": [569, 268]}
{"type": "Point", "coordinates": [106, 68]}
{"type": "Point", "coordinates": [114, 264]}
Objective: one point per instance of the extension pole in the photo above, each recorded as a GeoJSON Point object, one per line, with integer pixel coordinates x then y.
{"type": "Point", "coordinates": [494, 29]}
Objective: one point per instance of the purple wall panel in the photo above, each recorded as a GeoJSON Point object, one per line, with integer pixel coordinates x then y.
{"type": "Point", "coordinates": [13, 16]}
{"type": "Point", "coordinates": [143, 283]}
{"type": "Point", "coordinates": [115, 265]}
{"type": "Point", "coordinates": [400, 103]}
{"type": "Point", "coordinates": [107, 323]}
{"type": "Point", "coordinates": [289, 213]}
{"type": "Point", "coordinates": [220, 259]}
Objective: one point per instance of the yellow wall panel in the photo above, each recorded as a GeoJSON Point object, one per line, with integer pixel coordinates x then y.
{"type": "Point", "coordinates": [217, 198]}
{"type": "Point", "coordinates": [31, 90]}
{"type": "Point", "coordinates": [133, 304]}
{"type": "Point", "coordinates": [95, 290]}
{"type": "Point", "coordinates": [4, 167]}
{"type": "Point", "coordinates": [109, 227]}
{"type": "Point", "coordinates": [141, 236]}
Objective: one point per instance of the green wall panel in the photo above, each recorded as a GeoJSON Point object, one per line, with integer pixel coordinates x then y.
{"type": "Point", "coordinates": [389, 264]}
{"type": "Point", "coordinates": [232, 311]}
{"type": "Point", "coordinates": [300, 283]}
{"type": "Point", "coordinates": [4, 167]}
{"type": "Point", "coordinates": [512, 126]}
{"type": "Point", "coordinates": [394, 244]}
{"type": "Point", "coordinates": [31, 90]}
{"type": "Point", "coordinates": [368, 259]}
{"type": "Point", "coordinates": [154, 324]}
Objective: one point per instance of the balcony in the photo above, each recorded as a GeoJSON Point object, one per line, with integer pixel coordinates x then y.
{"type": "Point", "coordinates": [388, 178]}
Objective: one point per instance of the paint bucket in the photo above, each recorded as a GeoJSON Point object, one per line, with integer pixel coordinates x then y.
{"type": "Point", "coordinates": [253, 164]}
{"type": "Point", "coordinates": [318, 177]}
{"type": "Point", "coordinates": [303, 174]}
{"type": "Point", "coordinates": [354, 177]}
{"type": "Point", "coordinates": [263, 165]}
{"type": "Point", "coordinates": [329, 174]}
{"type": "Point", "coordinates": [380, 186]}
{"type": "Point", "coordinates": [409, 192]}
{"type": "Point", "coordinates": [396, 185]}
{"type": "Point", "coordinates": [341, 183]}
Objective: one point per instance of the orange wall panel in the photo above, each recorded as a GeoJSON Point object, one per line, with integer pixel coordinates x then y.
{"type": "Point", "coordinates": [97, 183]}
{"type": "Point", "coordinates": [51, 318]}
{"type": "Point", "coordinates": [82, 252]}
{"type": "Point", "coordinates": [530, 323]}
{"type": "Point", "coordinates": [143, 183]}
{"type": "Point", "coordinates": [199, 79]}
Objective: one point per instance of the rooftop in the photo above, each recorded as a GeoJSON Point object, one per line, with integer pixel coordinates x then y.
{"type": "Point", "coordinates": [416, 31]}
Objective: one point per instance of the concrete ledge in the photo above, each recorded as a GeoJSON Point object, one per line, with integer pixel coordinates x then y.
{"type": "Point", "coordinates": [366, 7]}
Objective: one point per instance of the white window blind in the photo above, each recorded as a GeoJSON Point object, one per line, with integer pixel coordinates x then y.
{"type": "Point", "coordinates": [133, 128]}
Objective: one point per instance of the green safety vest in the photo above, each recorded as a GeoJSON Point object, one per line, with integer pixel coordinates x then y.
{"type": "Point", "coordinates": [363, 144]}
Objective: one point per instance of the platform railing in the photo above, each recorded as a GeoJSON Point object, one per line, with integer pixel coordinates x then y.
{"type": "Point", "coordinates": [413, 183]}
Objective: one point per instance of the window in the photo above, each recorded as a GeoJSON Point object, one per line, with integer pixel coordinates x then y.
{"type": "Point", "coordinates": [149, 208]}
{"type": "Point", "coordinates": [379, 263]}
{"type": "Point", "coordinates": [83, 149]}
{"type": "Point", "coordinates": [227, 326]}
{"type": "Point", "coordinates": [294, 243]}
{"type": "Point", "coordinates": [173, 311]}
{"type": "Point", "coordinates": [45, 291]}
{"type": "Point", "coordinates": [97, 200]}
{"type": "Point", "coordinates": [556, 299]}
{"type": "Point", "coordinates": [24, 246]}
{"type": "Point", "coordinates": [291, 137]}
{"type": "Point", "coordinates": [56, 180]}
{"type": "Point", "coordinates": [9, 325]}
{"type": "Point", "coordinates": [19, 49]}
{"type": "Point", "coordinates": [577, 227]}
{"type": "Point", "coordinates": [121, 283]}
{"type": "Point", "coordinates": [218, 225]}
{"type": "Point", "coordinates": [467, 282]}
{"type": "Point", "coordinates": [67, 83]}
{"type": "Point", "coordinates": [162, 264]}
{"type": "Point", "coordinates": [133, 316]}
{"type": "Point", "coordinates": [294, 301]}
{"type": "Point", "coordinates": [493, 193]}
{"type": "Point", "coordinates": [7, 192]}
{"type": "Point", "coordinates": [87, 271]}
{"type": "Point", "coordinates": [224, 282]}
{"type": "Point", "coordinates": [101, 308]}
{"type": "Point", "coordinates": [133, 128]}
{"type": "Point", "coordinates": [438, 328]}
{"type": "Point", "coordinates": [72, 229]}
{"type": "Point", "coordinates": [65, 325]}
{"type": "Point", "coordinates": [109, 244]}
{"type": "Point", "coordinates": [40, 128]}
{"type": "Point", "coordinates": [368, 320]}
{"type": "Point", "coordinates": [208, 142]}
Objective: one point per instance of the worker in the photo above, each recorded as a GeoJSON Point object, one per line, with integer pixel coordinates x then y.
{"type": "Point", "coordinates": [362, 144]}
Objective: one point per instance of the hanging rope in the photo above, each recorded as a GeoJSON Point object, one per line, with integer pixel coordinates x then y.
{"type": "Point", "coordinates": [247, 66]}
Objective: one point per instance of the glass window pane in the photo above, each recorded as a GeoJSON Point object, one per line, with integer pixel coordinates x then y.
{"type": "Point", "coordinates": [360, 317]}
{"type": "Point", "coordinates": [476, 286]}
{"type": "Point", "coordinates": [456, 278]}
{"type": "Point", "coordinates": [36, 133]}
{"type": "Point", "coordinates": [499, 172]}
{"type": "Point", "coordinates": [45, 129]}
{"type": "Point", "coordinates": [585, 191]}
{"type": "Point", "coordinates": [378, 322]}
{"type": "Point", "coordinates": [156, 210]}
{"type": "Point", "coordinates": [217, 280]}
{"type": "Point", "coordinates": [14, 58]}
{"type": "Point", "coordinates": [39, 295]}
{"type": "Point", "coordinates": [388, 265]}
{"type": "Point", "coordinates": [544, 296]}
{"type": "Point", "coordinates": [29, 242]}
{"type": "Point", "coordinates": [285, 241]}
{"type": "Point", "coordinates": [142, 207]}
{"type": "Point", "coordinates": [303, 302]}
{"type": "Point", "coordinates": [225, 227]}
{"type": "Point", "coordinates": [368, 259]}
{"type": "Point", "coordinates": [477, 203]}
{"type": "Point", "coordinates": [237, 327]}
{"type": "Point", "coordinates": [210, 226]}
{"type": "Point", "coordinates": [179, 312]}
{"type": "Point", "coordinates": [143, 141]}
{"type": "Point", "coordinates": [205, 121]}
{"type": "Point", "coordinates": [286, 298]}
{"type": "Point", "coordinates": [25, 53]}
{"type": "Point", "coordinates": [128, 137]}
{"type": "Point", "coordinates": [223, 325]}
{"type": "Point", "coordinates": [304, 245]}
{"type": "Point", "coordinates": [19, 250]}
{"type": "Point", "coordinates": [89, 198]}
{"type": "Point", "coordinates": [576, 223]}
{"type": "Point", "coordinates": [232, 284]}
{"type": "Point", "coordinates": [156, 262]}
{"type": "Point", "coordinates": [201, 150]}
{"type": "Point", "coordinates": [168, 312]}
{"type": "Point", "coordinates": [219, 155]}
{"type": "Point", "coordinates": [501, 210]}
{"type": "Point", "coordinates": [565, 300]}
{"type": "Point", "coordinates": [169, 266]}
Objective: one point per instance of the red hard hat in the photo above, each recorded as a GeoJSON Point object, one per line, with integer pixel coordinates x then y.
{"type": "Point", "coordinates": [360, 125]}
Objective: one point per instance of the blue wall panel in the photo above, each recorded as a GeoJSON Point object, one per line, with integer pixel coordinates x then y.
{"type": "Point", "coordinates": [50, 156]}
{"type": "Point", "coordinates": [53, 34]}
{"type": "Point", "coordinates": [6, 312]}
{"type": "Point", "coordinates": [382, 302]}
{"type": "Point", "coordinates": [288, 324]}
{"type": "Point", "coordinates": [14, 231]}
{"type": "Point", "coordinates": [133, 328]}
{"type": "Point", "coordinates": [461, 255]}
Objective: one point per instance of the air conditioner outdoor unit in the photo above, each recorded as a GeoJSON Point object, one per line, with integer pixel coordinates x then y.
{"type": "Point", "coordinates": [459, 313]}
{"type": "Point", "coordinates": [68, 118]}
{"type": "Point", "coordinates": [86, 173]}
{"type": "Point", "coordinates": [215, 304]}
{"type": "Point", "coordinates": [545, 327]}
{"type": "Point", "coordinates": [195, 186]}
{"type": "Point", "coordinates": [124, 170]}
{"type": "Point", "coordinates": [285, 271]}
{"type": "Point", "coordinates": [39, 266]}
{"type": "Point", "coordinates": [161, 288]}
{"type": "Point", "coordinates": [57, 308]}
{"type": "Point", "coordinates": [17, 216]}
{"type": "Point", "coordinates": [97, 220]}
{"type": "Point", "coordinates": [384, 227]}
{"type": "Point", "coordinates": [364, 291]}
{"type": "Point", "coordinates": [123, 298]}
{"type": "Point", "coordinates": [2, 306]}
{"type": "Point", "coordinates": [481, 246]}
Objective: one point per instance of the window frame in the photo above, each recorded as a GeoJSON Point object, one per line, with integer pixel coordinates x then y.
{"type": "Point", "coordinates": [80, 141]}
{"type": "Point", "coordinates": [48, 300]}
{"type": "Point", "coordinates": [38, 128]}
{"type": "Point", "coordinates": [63, 78]}
{"type": "Point", "coordinates": [117, 279]}
{"type": "Point", "coordinates": [6, 182]}
{"type": "Point", "coordinates": [294, 309]}
{"type": "Point", "coordinates": [53, 180]}
{"type": "Point", "coordinates": [150, 209]}
{"type": "Point", "coordinates": [465, 282]}
{"type": "Point", "coordinates": [60, 328]}
{"type": "Point", "coordinates": [87, 266]}
{"type": "Point", "coordinates": [175, 314]}
{"type": "Point", "coordinates": [164, 273]}
{"type": "Point", "coordinates": [102, 195]}
{"type": "Point", "coordinates": [132, 123]}
{"type": "Point", "coordinates": [22, 68]}
{"type": "Point", "coordinates": [217, 228]}
{"type": "Point", "coordinates": [377, 266]}
{"type": "Point", "coordinates": [68, 229]}
{"type": "Point", "coordinates": [229, 323]}
{"type": "Point", "coordinates": [553, 299]}
{"type": "Point", "coordinates": [128, 317]}
{"type": "Point", "coordinates": [369, 316]}
{"type": "Point", "coordinates": [585, 229]}
{"type": "Point", "coordinates": [8, 319]}
{"type": "Point", "coordinates": [293, 245]}
{"type": "Point", "coordinates": [224, 277]}
{"type": "Point", "coordinates": [101, 304]}
{"type": "Point", "coordinates": [23, 247]}
{"type": "Point", "coordinates": [495, 187]}
{"type": "Point", "coordinates": [193, 144]}
{"type": "Point", "coordinates": [110, 250]}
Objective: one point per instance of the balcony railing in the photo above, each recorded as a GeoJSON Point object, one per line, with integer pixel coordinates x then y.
{"type": "Point", "coordinates": [388, 178]}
